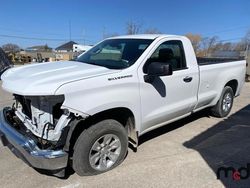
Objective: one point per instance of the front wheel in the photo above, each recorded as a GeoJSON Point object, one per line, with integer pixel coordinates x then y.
{"type": "Point", "coordinates": [100, 148]}
{"type": "Point", "coordinates": [225, 103]}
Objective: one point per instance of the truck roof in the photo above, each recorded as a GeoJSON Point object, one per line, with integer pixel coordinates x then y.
{"type": "Point", "coordinates": [144, 36]}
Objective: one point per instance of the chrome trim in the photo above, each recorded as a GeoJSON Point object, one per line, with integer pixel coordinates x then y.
{"type": "Point", "coordinates": [227, 102]}
{"type": "Point", "coordinates": [26, 148]}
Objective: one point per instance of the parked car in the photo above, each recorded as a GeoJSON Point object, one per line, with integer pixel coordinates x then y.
{"type": "Point", "coordinates": [5, 63]}
{"type": "Point", "coordinates": [248, 70]}
{"type": "Point", "coordinates": [85, 112]}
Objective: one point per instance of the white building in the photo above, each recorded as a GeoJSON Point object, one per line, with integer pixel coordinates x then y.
{"type": "Point", "coordinates": [81, 48]}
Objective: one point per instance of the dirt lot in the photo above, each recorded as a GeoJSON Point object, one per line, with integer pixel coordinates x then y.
{"type": "Point", "coordinates": [186, 153]}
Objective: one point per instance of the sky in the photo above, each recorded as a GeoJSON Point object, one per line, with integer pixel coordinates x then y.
{"type": "Point", "coordinates": [32, 22]}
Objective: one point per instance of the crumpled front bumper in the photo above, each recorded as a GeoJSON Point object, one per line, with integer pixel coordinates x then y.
{"type": "Point", "coordinates": [26, 148]}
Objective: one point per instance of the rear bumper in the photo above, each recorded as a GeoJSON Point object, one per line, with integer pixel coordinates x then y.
{"type": "Point", "coordinates": [26, 148]}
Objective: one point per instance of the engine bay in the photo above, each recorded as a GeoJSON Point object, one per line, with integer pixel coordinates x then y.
{"type": "Point", "coordinates": [42, 116]}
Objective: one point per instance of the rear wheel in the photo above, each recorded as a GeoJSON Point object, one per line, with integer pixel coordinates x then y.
{"type": "Point", "coordinates": [225, 103]}
{"type": "Point", "coordinates": [100, 148]}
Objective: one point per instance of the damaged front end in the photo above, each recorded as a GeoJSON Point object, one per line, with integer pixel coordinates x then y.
{"type": "Point", "coordinates": [43, 116]}
{"type": "Point", "coordinates": [35, 129]}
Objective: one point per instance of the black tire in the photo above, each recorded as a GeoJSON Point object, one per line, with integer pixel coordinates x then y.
{"type": "Point", "coordinates": [83, 146]}
{"type": "Point", "coordinates": [218, 110]}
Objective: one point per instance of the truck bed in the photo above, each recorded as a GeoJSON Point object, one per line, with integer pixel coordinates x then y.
{"type": "Point", "coordinates": [208, 61]}
{"type": "Point", "coordinates": [214, 75]}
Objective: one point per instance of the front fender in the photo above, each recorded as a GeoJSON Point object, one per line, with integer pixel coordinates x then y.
{"type": "Point", "coordinates": [92, 96]}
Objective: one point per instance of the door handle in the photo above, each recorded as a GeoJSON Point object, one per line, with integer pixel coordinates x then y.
{"type": "Point", "coordinates": [187, 79]}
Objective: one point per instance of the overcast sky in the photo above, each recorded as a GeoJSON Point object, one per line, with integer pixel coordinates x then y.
{"type": "Point", "coordinates": [30, 22]}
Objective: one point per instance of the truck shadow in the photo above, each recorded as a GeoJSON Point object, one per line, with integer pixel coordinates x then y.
{"type": "Point", "coordinates": [160, 87]}
{"type": "Point", "coordinates": [227, 144]}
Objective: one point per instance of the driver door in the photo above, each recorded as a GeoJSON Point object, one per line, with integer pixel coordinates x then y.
{"type": "Point", "coordinates": [167, 97]}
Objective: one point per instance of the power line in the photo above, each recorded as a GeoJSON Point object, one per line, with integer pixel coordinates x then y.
{"type": "Point", "coordinates": [30, 38]}
{"type": "Point", "coordinates": [40, 39]}
{"type": "Point", "coordinates": [229, 29]}
{"type": "Point", "coordinates": [232, 39]}
{"type": "Point", "coordinates": [23, 32]}
{"type": "Point", "coordinates": [19, 31]}
{"type": "Point", "coordinates": [70, 30]}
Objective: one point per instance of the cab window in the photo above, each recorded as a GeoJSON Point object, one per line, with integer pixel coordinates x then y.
{"type": "Point", "coordinates": [170, 52]}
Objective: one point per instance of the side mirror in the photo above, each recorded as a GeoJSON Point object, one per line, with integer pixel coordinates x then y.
{"type": "Point", "coordinates": [156, 69]}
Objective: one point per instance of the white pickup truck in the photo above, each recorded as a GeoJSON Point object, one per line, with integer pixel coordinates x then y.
{"type": "Point", "coordinates": [83, 113]}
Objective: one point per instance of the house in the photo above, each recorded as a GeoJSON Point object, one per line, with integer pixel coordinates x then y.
{"type": "Point", "coordinates": [67, 47]}
{"type": "Point", "coordinates": [40, 48]}
{"type": "Point", "coordinates": [65, 51]}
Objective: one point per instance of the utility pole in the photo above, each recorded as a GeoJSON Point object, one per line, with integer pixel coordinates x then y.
{"type": "Point", "coordinates": [246, 52]}
{"type": "Point", "coordinates": [70, 30]}
{"type": "Point", "coordinates": [83, 34]}
{"type": "Point", "coordinates": [103, 32]}
{"type": "Point", "coordinates": [247, 60]}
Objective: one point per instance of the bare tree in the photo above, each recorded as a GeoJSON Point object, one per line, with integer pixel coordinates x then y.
{"type": "Point", "coordinates": [107, 35]}
{"type": "Point", "coordinates": [240, 46]}
{"type": "Point", "coordinates": [47, 48]}
{"type": "Point", "coordinates": [245, 42]}
{"type": "Point", "coordinates": [212, 43]}
{"type": "Point", "coordinates": [247, 37]}
{"type": "Point", "coordinates": [195, 40]}
{"type": "Point", "coordinates": [152, 31]}
{"type": "Point", "coordinates": [228, 46]}
{"type": "Point", "coordinates": [11, 48]}
{"type": "Point", "coordinates": [204, 45]}
{"type": "Point", "coordinates": [207, 45]}
{"type": "Point", "coordinates": [133, 27]}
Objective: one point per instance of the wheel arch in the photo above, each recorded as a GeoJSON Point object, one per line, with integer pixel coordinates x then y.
{"type": "Point", "coordinates": [233, 84]}
{"type": "Point", "coordinates": [121, 114]}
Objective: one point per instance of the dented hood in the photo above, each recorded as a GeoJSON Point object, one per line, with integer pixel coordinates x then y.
{"type": "Point", "coordinates": [46, 78]}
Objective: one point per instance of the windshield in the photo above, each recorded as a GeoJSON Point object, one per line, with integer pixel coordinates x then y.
{"type": "Point", "coordinates": [115, 53]}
